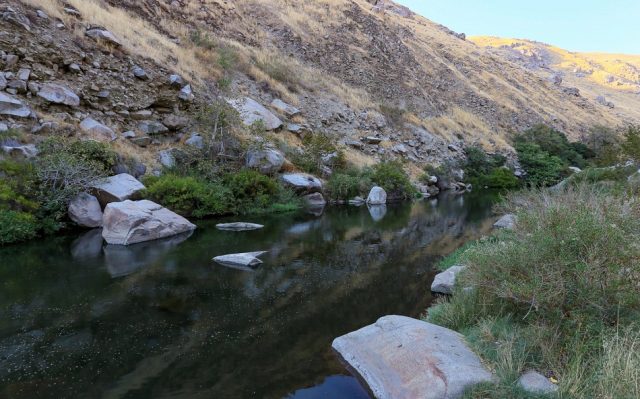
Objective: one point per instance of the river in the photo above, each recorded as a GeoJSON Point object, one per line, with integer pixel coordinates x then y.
{"type": "Point", "coordinates": [79, 319]}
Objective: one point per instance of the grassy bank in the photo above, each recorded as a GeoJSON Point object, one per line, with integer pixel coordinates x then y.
{"type": "Point", "coordinates": [559, 294]}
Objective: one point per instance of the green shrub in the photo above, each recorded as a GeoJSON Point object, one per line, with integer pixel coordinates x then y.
{"type": "Point", "coordinates": [501, 178]}
{"type": "Point", "coordinates": [190, 196]}
{"type": "Point", "coordinates": [315, 148]}
{"type": "Point", "coordinates": [555, 143]}
{"type": "Point", "coordinates": [391, 176]}
{"type": "Point", "coordinates": [342, 186]}
{"type": "Point", "coordinates": [17, 226]}
{"type": "Point", "coordinates": [542, 168]}
{"type": "Point", "coordinates": [484, 171]}
{"type": "Point", "coordinates": [91, 153]}
{"type": "Point", "coordinates": [631, 143]}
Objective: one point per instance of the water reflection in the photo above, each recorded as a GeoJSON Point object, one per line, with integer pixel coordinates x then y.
{"type": "Point", "coordinates": [79, 319]}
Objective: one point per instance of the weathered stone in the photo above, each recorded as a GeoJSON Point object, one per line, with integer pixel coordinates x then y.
{"type": "Point", "coordinates": [302, 182]}
{"type": "Point", "coordinates": [20, 151]}
{"type": "Point", "coordinates": [506, 222]}
{"type": "Point", "coordinates": [267, 161]}
{"type": "Point", "coordinates": [167, 158]}
{"type": "Point", "coordinates": [44, 127]}
{"type": "Point", "coordinates": [314, 201]}
{"type": "Point", "coordinates": [195, 141]}
{"type": "Point", "coordinates": [143, 141]}
{"type": "Point", "coordinates": [152, 127]}
{"type": "Point", "coordinates": [129, 134]}
{"type": "Point", "coordinates": [574, 169]}
{"type": "Point", "coordinates": [24, 73]}
{"type": "Point", "coordinates": [284, 108]}
{"type": "Point", "coordinates": [245, 261]}
{"type": "Point", "coordinates": [20, 86]}
{"type": "Point", "coordinates": [372, 140]}
{"type": "Point", "coordinates": [12, 106]}
{"type": "Point", "coordinates": [175, 122]}
{"type": "Point", "coordinates": [131, 222]}
{"type": "Point", "coordinates": [85, 211]}
{"type": "Point", "coordinates": [92, 126]}
{"type": "Point", "coordinates": [294, 128]}
{"type": "Point", "coordinates": [176, 81]}
{"type": "Point", "coordinates": [238, 226]}
{"type": "Point", "coordinates": [59, 94]}
{"type": "Point", "coordinates": [357, 201]}
{"type": "Point", "coordinates": [141, 115]}
{"type": "Point", "coordinates": [403, 358]}
{"type": "Point", "coordinates": [444, 282]}
{"type": "Point", "coordinates": [3, 81]}
{"type": "Point", "coordinates": [117, 188]}
{"type": "Point", "coordinates": [377, 196]}
{"type": "Point", "coordinates": [252, 112]}
{"type": "Point", "coordinates": [140, 73]}
{"type": "Point", "coordinates": [103, 35]}
{"type": "Point", "coordinates": [355, 144]}
{"type": "Point", "coordinates": [186, 94]}
{"type": "Point", "coordinates": [536, 383]}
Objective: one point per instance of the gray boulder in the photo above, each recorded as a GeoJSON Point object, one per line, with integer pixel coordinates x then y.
{"type": "Point", "coordinates": [152, 127]}
{"type": "Point", "coordinates": [403, 358]}
{"type": "Point", "coordinates": [167, 158]}
{"type": "Point", "coordinates": [140, 73]}
{"type": "Point", "coordinates": [377, 196]}
{"type": "Point", "coordinates": [251, 112]}
{"type": "Point", "coordinates": [85, 211]}
{"type": "Point", "coordinates": [244, 261]}
{"type": "Point", "coordinates": [284, 108]}
{"type": "Point", "coordinates": [302, 182]}
{"type": "Point", "coordinates": [131, 222]}
{"type": "Point", "coordinates": [506, 222]}
{"type": "Point", "coordinates": [176, 81]}
{"type": "Point", "coordinates": [117, 188]}
{"type": "Point", "coordinates": [175, 122]}
{"type": "Point", "coordinates": [267, 161]}
{"type": "Point", "coordinates": [444, 282]}
{"type": "Point", "coordinates": [536, 383]}
{"type": "Point", "coordinates": [103, 35]}
{"type": "Point", "coordinates": [25, 151]}
{"type": "Point", "coordinates": [238, 226]}
{"type": "Point", "coordinates": [186, 94]}
{"type": "Point", "coordinates": [11, 106]}
{"type": "Point", "coordinates": [59, 94]}
{"type": "Point", "coordinates": [92, 126]}
{"type": "Point", "coordinates": [195, 141]}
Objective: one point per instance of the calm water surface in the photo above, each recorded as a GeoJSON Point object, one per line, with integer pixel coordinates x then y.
{"type": "Point", "coordinates": [79, 319]}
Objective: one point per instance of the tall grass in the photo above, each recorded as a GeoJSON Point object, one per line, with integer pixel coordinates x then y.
{"type": "Point", "coordinates": [559, 294]}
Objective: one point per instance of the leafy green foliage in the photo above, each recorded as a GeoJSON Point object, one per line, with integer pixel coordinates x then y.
{"type": "Point", "coordinates": [543, 169]}
{"type": "Point", "coordinates": [391, 176]}
{"type": "Point", "coordinates": [17, 226]}
{"type": "Point", "coordinates": [631, 144]}
{"type": "Point", "coordinates": [484, 171]}
{"type": "Point", "coordinates": [555, 143]}
{"type": "Point", "coordinates": [349, 183]}
{"type": "Point", "coordinates": [316, 148]}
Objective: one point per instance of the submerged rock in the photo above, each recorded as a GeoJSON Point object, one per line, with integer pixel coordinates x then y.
{"type": "Point", "coordinates": [377, 196]}
{"type": "Point", "coordinates": [506, 222]}
{"type": "Point", "coordinates": [238, 226]}
{"type": "Point", "coordinates": [117, 188]}
{"type": "Point", "coordinates": [445, 281]}
{"type": "Point", "coordinates": [245, 261]}
{"type": "Point", "coordinates": [404, 358]}
{"type": "Point", "coordinates": [85, 211]}
{"type": "Point", "coordinates": [536, 383]}
{"type": "Point", "coordinates": [131, 222]}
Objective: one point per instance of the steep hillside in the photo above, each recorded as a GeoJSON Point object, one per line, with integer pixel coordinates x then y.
{"type": "Point", "coordinates": [610, 79]}
{"type": "Point", "coordinates": [359, 71]}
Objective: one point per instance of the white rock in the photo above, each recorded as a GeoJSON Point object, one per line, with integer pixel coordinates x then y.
{"type": "Point", "coordinates": [302, 182]}
{"type": "Point", "coordinates": [251, 112]}
{"type": "Point", "coordinates": [284, 108]}
{"type": "Point", "coordinates": [131, 222]}
{"type": "Point", "coordinates": [536, 383]}
{"type": "Point", "coordinates": [85, 211]}
{"type": "Point", "coordinates": [11, 106]}
{"type": "Point", "coordinates": [445, 281]}
{"type": "Point", "coordinates": [575, 169]}
{"type": "Point", "coordinates": [238, 226]}
{"type": "Point", "coordinates": [186, 94]}
{"type": "Point", "coordinates": [506, 222]}
{"type": "Point", "coordinates": [92, 126]}
{"type": "Point", "coordinates": [59, 94]}
{"type": "Point", "coordinates": [20, 151]}
{"type": "Point", "coordinates": [377, 196]}
{"type": "Point", "coordinates": [117, 188]}
{"type": "Point", "coordinates": [403, 358]}
{"type": "Point", "coordinates": [247, 260]}
{"type": "Point", "coordinates": [195, 141]}
{"type": "Point", "coordinates": [377, 212]}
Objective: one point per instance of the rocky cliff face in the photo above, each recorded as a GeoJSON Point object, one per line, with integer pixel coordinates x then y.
{"type": "Point", "coordinates": [382, 81]}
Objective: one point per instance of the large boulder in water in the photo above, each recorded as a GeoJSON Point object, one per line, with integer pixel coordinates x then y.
{"type": "Point", "coordinates": [85, 211]}
{"type": "Point", "coordinates": [377, 196]}
{"type": "Point", "coordinates": [131, 222]}
{"type": "Point", "coordinates": [251, 112]}
{"type": "Point", "coordinates": [404, 358]}
{"type": "Point", "coordinates": [117, 188]}
{"type": "Point", "coordinates": [267, 161]}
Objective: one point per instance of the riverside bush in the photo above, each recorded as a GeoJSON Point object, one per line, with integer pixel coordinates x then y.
{"type": "Point", "coordinates": [17, 226]}
{"type": "Point", "coordinates": [484, 171]}
{"type": "Point", "coordinates": [558, 294]}
{"type": "Point", "coordinates": [391, 176]}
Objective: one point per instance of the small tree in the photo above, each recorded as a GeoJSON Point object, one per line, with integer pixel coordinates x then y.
{"type": "Point", "coordinates": [631, 144]}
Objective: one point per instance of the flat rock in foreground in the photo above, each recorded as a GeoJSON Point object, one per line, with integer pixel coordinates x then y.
{"type": "Point", "coordinates": [238, 226]}
{"type": "Point", "coordinates": [404, 358]}
{"type": "Point", "coordinates": [244, 261]}
{"type": "Point", "coordinates": [131, 222]}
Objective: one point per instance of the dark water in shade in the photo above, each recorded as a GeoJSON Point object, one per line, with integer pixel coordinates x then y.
{"type": "Point", "coordinates": [161, 320]}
